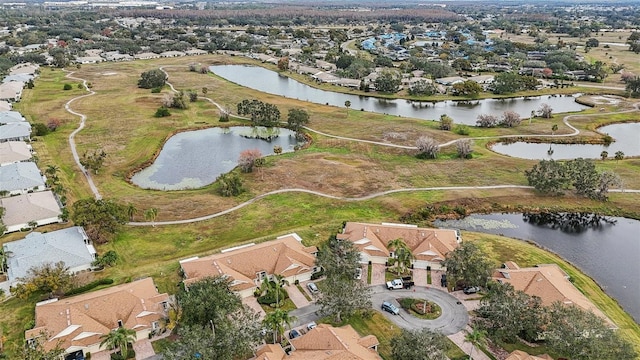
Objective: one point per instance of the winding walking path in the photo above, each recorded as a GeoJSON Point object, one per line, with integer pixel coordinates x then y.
{"type": "Point", "coordinates": [97, 195]}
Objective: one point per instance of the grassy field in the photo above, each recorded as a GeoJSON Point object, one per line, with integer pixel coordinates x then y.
{"type": "Point", "coordinates": [120, 121]}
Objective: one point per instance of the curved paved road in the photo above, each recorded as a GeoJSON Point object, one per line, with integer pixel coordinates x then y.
{"type": "Point", "coordinates": [97, 195]}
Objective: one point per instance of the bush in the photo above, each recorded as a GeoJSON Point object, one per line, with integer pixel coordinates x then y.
{"type": "Point", "coordinates": [462, 130]}
{"type": "Point", "coordinates": [156, 90]}
{"type": "Point", "coordinates": [40, 129]}
{"type": "Point", "coordinates": [162, 112]}
{"type": "Point", "coordinates": [67, 87]}
{"type": "Point", "coordinates": [89, 286]}
{"type": "Point", "coordinates": [131, 354]}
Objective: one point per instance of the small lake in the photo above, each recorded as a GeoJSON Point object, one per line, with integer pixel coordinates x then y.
{"type": "Point", "coordinates": [609, 253]}
{"type": "Point", "coordinates": [195, 159]}
{"type": "Point", "coordinates": [627, 140]}
{"type": "Point", "coordinates": [462, 112]}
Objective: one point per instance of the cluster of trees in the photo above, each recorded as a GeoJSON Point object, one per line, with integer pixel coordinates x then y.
{"type": "Point", "coordinates": [297, 119]}
{"type": "Point", "coordinates": [102, 219]}
{"type": "Point", "coordinates": [634, 42]}
{"type": "Point", "coordinates": [422, 88]}
{"type": "Point", "coordinates": [213, 323]}
{"type": "Point", "coordinates": [468, 265]}
{"type": "Point", "coordinates": [466, 88]}
{"type": "Point", "coordinates": [508, 315]}
{"type": "Point", "coordinates": [353, 67]}
{"type": "Point", "coordinates": [179, 100]}
{"type": "Point", "coordinates": [554, 177]}
{"type": "Point", "coordinates": [388, 82]}
{"type": "Point", "coordinates": [511, 82]}
{"type": "Point", "coordinates": [229, 184]}
{"type": "Point", "coordinates": [261, 113]}
{"type": "Point", "coordinates": [93, 160]}
{"type": "Point", "coordinates": [152, 79]}
{"type": "Point", "coordinates": [48, 278]}
{"type": "Point", "coordinates": [508, 119]}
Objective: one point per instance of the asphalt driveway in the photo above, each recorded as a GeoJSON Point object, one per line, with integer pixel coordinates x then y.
{"type": "Point", "coordinates": [453, 319]}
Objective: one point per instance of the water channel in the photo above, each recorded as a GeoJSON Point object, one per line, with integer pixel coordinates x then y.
{"type": "Point", "coordinates": [463, 112]}
{"type": "Point", "coordinates": [195, 159]}
{"type": "Point", "coordinates": [609, 253]}
{"type": "Point", "coordinates": [627, 140]}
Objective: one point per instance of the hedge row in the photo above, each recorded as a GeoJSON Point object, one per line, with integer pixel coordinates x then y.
{"type": "Point", "coordinates": [89, 286]}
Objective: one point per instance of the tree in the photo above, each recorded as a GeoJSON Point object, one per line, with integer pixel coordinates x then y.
{"type": "Point", "coordinates": [247, 159]}
{"type": "Point", "coordinates": [619, 155]}
{"type": "Point", "coordinates": [107, 259]}
{"type": "Point", "coordinates": [347, 104]}
{"type": "Point", "coordinates": [297, 118]}
{"type": "Point", "coordinates": [510, 119]}
{"type": "Point", "coordinates": [422, 344]}
{"type": "Point", "coordinates": [577, 334]}
{"type": "Point", "coordinates": [446, 122]}
{"type": "Point", "coordinates": [53, 124]}
{"type": "Point", "coordinates": [277, 149]}
{"type": "Point", "coordinates": [633, 86]}
{"type": "Point", "coordinates": [487, 120]}
{"type": "Point", "coordinates": [176, 100]}
{"type": "Point", "coordinates": [554, 128]}
{"type": "Point", "coordinates": [229, 184]}
{"type": "Point", "coordinates": [261, 113]}
{"type": "Point", "coordinates": [151, 215]}
{"type": "Point", "coordinates": [276, 322]}
{"type": "Point", "coordinates": [464, 147]}
{"type": "Point", "coordinates": [548, 177]}
{"type": "Point", "coordinates": [35, 350]}
{"type": "Point", "coordinates": [93, 160]}
{"type": "Point", "coordinates": [402, 255]}
{"type": "Point", "coordinates": [283, 63]}
{"type": "Point", "coordinates": [608, 179]}
{"type": "Point", "coordinates": [342, 294]}
{"type": "Point", "coordinates": [604, 154]}
{"type": "Point", "coordinates": [507, 314]}
{"type": "Point", "coordinates": [584, 177]}
{"type": "Point", "coordinates": [193, 96]}
{"type": "Point", "coordinates": [67, 87]}
{"type": "Point", "coordinates": [388, 82]}
{"type": "Point", "coordinates": [422, 88]}
{"type": "Point", "coordinates": [101, 219]}
{"type": "Point", "coordinates": [48, 278]}
{"type": "Point", "coordinates": [428, 147]}
{"type": "Point", "coordinates": [467, 88]}
{"type": "Point", "coordinates": [205, 90]}
{"type": "Point", "coordinates": [467, 265]}
{"type": "Point", "coordinates": [214, 323]}
{"type": "Point", "coordinates": [592, 43]}
{"type": "Point", "coordinates": [120, 339]}
{"type": "Point", "coordinates": [545, 111]}
{"type": "Point", "coordinates": [131, 211]}
{"type": "Point", "coordinates": [477, 338]}
{"type": "Point", "coordinates": [152, 79]}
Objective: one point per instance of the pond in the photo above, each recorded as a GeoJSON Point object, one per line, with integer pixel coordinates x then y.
{"type": "Point", "coordinates": [195, 159]}
{"type": "Point", "coordinates": [626, 135]}
{"type": "Point", "coordinates": [608, 251]}
{"type": "Point", "coordinates": [462, 112]}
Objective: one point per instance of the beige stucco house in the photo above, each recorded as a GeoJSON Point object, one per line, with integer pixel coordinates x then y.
{"type": "Point", "coordinates": [248, 265]}
{"type": "Point", "coordinates": [429, 246]}
{"type": "Point", "coordinates": [77, 323]}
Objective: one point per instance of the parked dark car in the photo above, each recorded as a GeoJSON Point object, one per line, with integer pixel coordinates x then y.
{"type": "Point", "coordinates": [443, 280]}
{"type": "Point", "coordinates": [408, 284]}
{"type": "Point", "coordinates": [294, 334]}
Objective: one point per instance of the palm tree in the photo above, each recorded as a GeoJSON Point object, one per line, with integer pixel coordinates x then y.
{"type": "Point", "coordinates": [276, 321]}
{"type": "Point", "coordinates": [273, 287]}
{"type": "Point", "coordinates": [51, 170]}
{"type": "Point", "coordinates": [131, 211]}
{"type": "Point", "coordinates": [151, 215]}
{"type": "Point", "coordinates": [119, 338]}
{"type": "Point", "coordinates": [402, 254]}
{"type": "Point", "coordinates": [476, 338]}
{"type": "Point", "coordinates": [554, 128]}
{"type": "Point", "coordinates": [604, 154]}
{"type": "Point", "coordinates": [347, 104]}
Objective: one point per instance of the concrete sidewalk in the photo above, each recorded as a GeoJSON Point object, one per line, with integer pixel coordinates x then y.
{"type": "Point", "coordinates": [458, 339]}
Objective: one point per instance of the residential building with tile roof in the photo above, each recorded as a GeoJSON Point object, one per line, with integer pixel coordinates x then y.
{"type": "Point", "coordinates": [325, 342]}
{"type": "Point", "coordinates": [41, 207]}
{"type": "Point", "coordinates": [429, 246]}
{"type": "Point", "coordinates": [521, 355]}
{"type": "Point", "coordinates": [21, 178]}
{"type": "Point", "coordinates": [548, 282]}
{"type": "Point", "coordinates": [77, 323]}
{"type": "Point", "coordinates": [248, 265]}
{"type": "Point", "coordinates": [14, 151]}
{"type": "Point", "coordinates": [71, 246]}
{"type": "Point", "coordinates": [15, 132]}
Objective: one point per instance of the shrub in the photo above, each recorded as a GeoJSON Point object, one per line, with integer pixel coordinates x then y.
{"type": "Point", "coordinates": [89, 286]}
{"type": "Point", "coordinates": [40, 129]}
{"type": "Point", "coordinates": [67, 87]}
{"type": "Point", "coordinates": [162, 112]}
{"type": "Point", "coordinates": [156, 90]}
{"type": "Point", "coordinates": [462, 130]}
